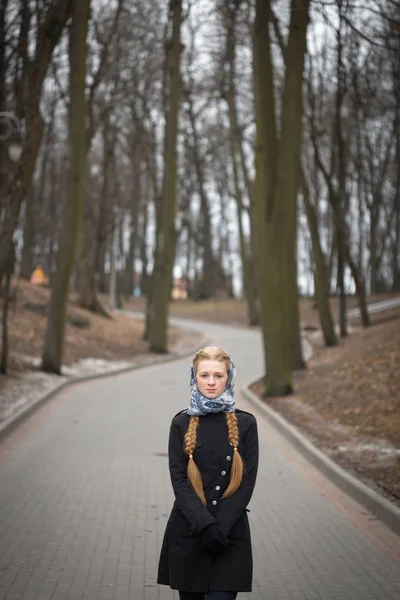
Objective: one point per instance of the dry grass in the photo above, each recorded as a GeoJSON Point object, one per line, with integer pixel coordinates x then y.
{"type": "Point", "coordinates": [347, 402]}
{"type": "Point", "coordinates": [119, 338]}
{"type": "Point", "coordinates": [234, 312]}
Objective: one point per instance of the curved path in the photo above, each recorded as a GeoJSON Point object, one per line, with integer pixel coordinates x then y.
{"type": "Point", "coordinates": [85, 494]}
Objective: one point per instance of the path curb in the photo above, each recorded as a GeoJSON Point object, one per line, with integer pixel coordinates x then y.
{"type": "Point", "coordinates": [9, 425]}
{"type": "Point", "coordinates": [371, 500]}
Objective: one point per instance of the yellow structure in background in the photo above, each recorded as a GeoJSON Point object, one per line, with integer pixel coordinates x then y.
{"type": "Point", "coordinates": [39, 277]}
{"type": "Point", "coordinates": [179, 289]}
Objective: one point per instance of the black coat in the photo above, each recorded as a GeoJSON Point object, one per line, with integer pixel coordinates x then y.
{"type": "Point", "coordinates": [182, 565]}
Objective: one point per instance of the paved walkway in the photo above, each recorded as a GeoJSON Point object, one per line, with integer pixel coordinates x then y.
{"type": "Point", "coordinates": [85, 494]}
{"type": "Point", "coordinates": [379, 306]}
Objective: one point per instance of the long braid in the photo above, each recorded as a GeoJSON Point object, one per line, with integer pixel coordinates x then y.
{"type": "Point", "coordinates": [193, 472]}
{"type": "Point", "coordinates": [237, 461]}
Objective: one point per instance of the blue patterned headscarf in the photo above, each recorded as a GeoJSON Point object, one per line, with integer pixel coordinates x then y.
{"type": "Point", "coordinates": [201, 405]}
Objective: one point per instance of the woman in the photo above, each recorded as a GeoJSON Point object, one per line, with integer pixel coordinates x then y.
{"type": "Point", "coordinates": [213, 460]}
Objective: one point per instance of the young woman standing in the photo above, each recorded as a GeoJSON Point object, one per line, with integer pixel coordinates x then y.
{"type": "Point", "coordinates": [213, 459]}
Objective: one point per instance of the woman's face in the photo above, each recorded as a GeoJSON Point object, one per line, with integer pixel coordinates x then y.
{"type": "Point", "coordinates": [211, 377]}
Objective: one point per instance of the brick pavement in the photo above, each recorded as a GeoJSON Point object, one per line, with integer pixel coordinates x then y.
{"type": "Point", "coordinates": [85, 495]}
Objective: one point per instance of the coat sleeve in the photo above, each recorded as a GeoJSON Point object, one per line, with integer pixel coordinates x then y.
{"type": "Point", "coordinates": [187, 499]}
{"type": "Point", "coordinates": [232, 507]}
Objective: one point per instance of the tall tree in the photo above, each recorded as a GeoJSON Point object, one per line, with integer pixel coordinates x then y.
{"type": "Point", "coordinates": [339, 200]}
{"type": "Point", "coordinates": [209, 280]}
{"type": "Point", "coordinates": [88, 259]}
{"type": "Point", "coordinates": [229, 93]}
{"type": "Point", "coordinates": [54, 339]}
{"type": "Point", "coordinates": [396, 237]}
{"type": "Point", "coordinates": [166, 234]}
{"type": "Point", "coordinates": [321, 280]}
{"type": "Point", "coordinates": [277, 185]}
{"type": "Point", "coordinates": [17, 178]}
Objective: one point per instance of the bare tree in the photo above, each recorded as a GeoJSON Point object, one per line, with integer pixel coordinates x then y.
{"type": "Point", "coordinates": [166, 234]}
{"type": "Point", "coordinates": [28, 84]}
{"type": "Point", "coordinates": [321, 279]}
{"type": "Point", "coordinates": [230, 14]}
{"type": "Point", "coordinates": [277, 184]}
{"type": "Point", "coordinates": [98, 110]}
{"type": "Point", "coordinates": [54, 340]}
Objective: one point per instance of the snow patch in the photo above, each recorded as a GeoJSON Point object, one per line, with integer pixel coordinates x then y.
{"type": "Point", "coordinates": [380, 450]}
{"type": "Point", "coordinates": [21, 391]}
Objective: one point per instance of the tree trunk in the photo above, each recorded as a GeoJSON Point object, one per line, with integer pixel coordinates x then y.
{"type": "Point", "coordinates": [341, 284]}
{"type": "Point", "coordinates": [4, 337]}
{"type": "Point", "coordinates": [297, 360]}
{"type": "Point", "coordinates": [3, 77]}
{"type": "Point", "coordinates": [265, 159]}
{"type": "Point", "coordinates": [54, 339]}
{"type": "Point", "coordinates": [208, 282]}
{"type": "Point", "coordinates": [4, 326]}
{"type": "Point", "coordinates": [249, 184]}
{"type": "Point", "coordinates": [17, 183]}
{"type": "Point", "coordinates": [289, 169]}
{"type": "Point", "coordinates": [129, 271]}
{"type": "Point", "coordinates": [57, 195]}
{"type": "Point", "coordinates": [360, 287]}
{"type": "Point", "coordinates": [346, 256]}
{"type": "Point", "coordinates": [166, 242]}
{"type": "Point", "coordinates": [150, 312]}
{"type": "Point", "coordinates": [3, 37]}
{"type": "Point", "coordinates": [361, 221]}
{"type": "Point", "coordinates": [151, 167]}
{"type": "Point", "coordinates": [29, 237]}
{"type": "Point", "coordinates": [396, 244]}
{"type": "Point", "coordinates": [112, 291]}
{"type": "Point", "coordinates": [100, 269]}
{"type": "Point", "coordinates": [38, 195]}
{"type": "Point", "coordinates": [277, 184]}
{"type": "Point", "coordinates": [248, 273]}
{"type": "Point", "coordinates": [93, 226]}
{"type": "Point", "coordinates": [342, 240]}
{"type": "Point", "coordinates": [340, 197]}
{"type": "Point", "coordinates": [86, 271]}
{"type": "Point", "coordinates": [321, 281]}
{"type": "Point", "coordinates": [144, 286]}
{"type": "Point", "coordinates": [373, 249]}
{"type": "Point", "coordinates": [134, 234]}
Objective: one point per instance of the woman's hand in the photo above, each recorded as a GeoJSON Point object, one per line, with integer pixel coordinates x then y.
{"type": "Point", "coordinates": [212, 539]}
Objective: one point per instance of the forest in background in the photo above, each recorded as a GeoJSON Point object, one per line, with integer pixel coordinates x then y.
{"type": "Point", "coordinates": [246, 146]}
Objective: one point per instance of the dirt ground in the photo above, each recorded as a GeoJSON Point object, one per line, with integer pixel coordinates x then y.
{"type": "Point", "coordinates": [347, 402]}
{"type": "Point", "coordinates": [235, 311]}
{"type": "Point", "coordinates": [110, 339]}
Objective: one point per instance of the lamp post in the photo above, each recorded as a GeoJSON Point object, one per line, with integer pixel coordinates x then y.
{"type": "Point", "coordinates": [11, 135]}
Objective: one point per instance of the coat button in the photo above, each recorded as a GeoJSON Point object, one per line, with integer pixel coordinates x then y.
{"type": "Point", "coordinates": [217, 487]}
{"type": "Point", "coordinates": [228, 458]}
{"type": "Point", "coordinates": [214, 502]}
{"type": "Point", "coordinates": [223, 472]}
